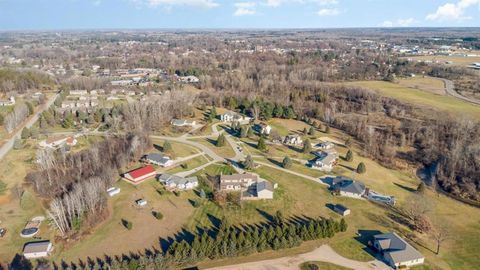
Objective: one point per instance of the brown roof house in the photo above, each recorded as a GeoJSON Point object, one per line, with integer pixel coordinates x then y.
{"type": "Point", "coordinates": [34, 250]}
{"type": "Point", "coordinates": [250, 186]}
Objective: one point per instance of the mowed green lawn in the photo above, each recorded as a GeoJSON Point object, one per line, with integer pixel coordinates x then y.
{"type": "Point", "coordinates": [420, 97]}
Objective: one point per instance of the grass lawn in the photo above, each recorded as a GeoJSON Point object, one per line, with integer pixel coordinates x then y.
{"type": "Point", "coordinates": [188, 165]}
{"type": "Point", "coordinates": [179, 149]}
{"type": "Point", "coordinates": [322, 266]}
{"type": "Point", "coordinates": [225, 151]}
{"type": "Point", "coordinates": [422, 98]}
{"type": "Point", "coordinates": [429, 84]}
{"type": "Point", "coordinates": [147, 231]}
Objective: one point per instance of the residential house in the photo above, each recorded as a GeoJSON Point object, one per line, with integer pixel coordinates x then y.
{"type": "Point", "coordinates": [56, 142]}
{"type": "Point", "coordinates": [340, 209]}
{"type": "Point", "coordinates": [177, 182]}
{"type": "Point", "coordinates": [78, 92]}
{"type": "Point", "coordinates": [325, 163]}
{"type": "Point", "coordinates": [348, 187]}
{"type": "Point", "coordinates": [325, 145]}
{"type": "Point", "coordinates": [396, 251]}
{"type": "Point", "coordinates": [139, 175]}
{"type": "Point", "coordinates": [35, 250]}
{"type": "Point", "coordinates": [158, 159]}
{"type": "Point", "coordinates": [250, 186]}
{"type": "Point", "coordinates": [263, 128]}
{"type": "Point", "coordinates": [183, 123]}
{"type": "Point", "coordinates": [237, 181]}
{"type": "Point", "coordinates": [265, 190]}
{"type": "Point", "coordinates": [230, 116]}
{"type": "Point", "coordinates": [8, 102]}
{"type": "Point", "coordinates": [293, 140]}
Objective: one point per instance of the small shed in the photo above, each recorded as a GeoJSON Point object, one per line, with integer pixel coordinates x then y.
{"type": "Point", "coordinates": [341, 209]}
{"type": "Point", "coordinates": [113, 191]}
{"type": "Point", "coordinates": [141, 202]}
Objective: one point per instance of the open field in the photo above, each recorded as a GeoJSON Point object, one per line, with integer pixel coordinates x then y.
{"type": "Point", "coordinates": [188, 164]}
{"type": "Point", "coordinates": [443, 59]}
{"type": "Point", "coordinates": [429, 84]}
{"type": "Point", "coordinates": [179, 149]}
{"type": "Point", "coordinates": [421, 98]}
{"type": "Point", "coordinates": [323, 266]}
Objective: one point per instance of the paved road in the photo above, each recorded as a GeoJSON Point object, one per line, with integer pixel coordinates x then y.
{"type": "Point", "coordinates": [324, 253]}
{"type": "Point", "coordinates": [450, 90]}
{"type": "Point", "coordinates": [8, 145]}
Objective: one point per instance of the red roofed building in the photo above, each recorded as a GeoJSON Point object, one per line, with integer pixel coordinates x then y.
{"type": "Point", "coordinates": [139, 175]}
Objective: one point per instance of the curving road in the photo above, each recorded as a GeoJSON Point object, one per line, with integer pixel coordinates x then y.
{"type": "Point", "coordinates": [450, 90]}
{"type": "Point", "coordinates": [8, 145]}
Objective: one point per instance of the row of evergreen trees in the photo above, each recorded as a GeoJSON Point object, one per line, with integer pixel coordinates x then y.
{"type": "Point", "coordinates": [228, 241]}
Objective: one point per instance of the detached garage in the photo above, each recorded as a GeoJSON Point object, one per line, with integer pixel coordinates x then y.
{"type": "Point", "coordinates": [34, 250]}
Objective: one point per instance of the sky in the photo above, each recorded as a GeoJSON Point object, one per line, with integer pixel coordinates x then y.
{"type": "Point", "coordinates": [194, 14]}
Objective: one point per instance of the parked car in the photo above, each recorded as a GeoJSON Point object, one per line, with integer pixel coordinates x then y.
{"type": "Point", "coordinates": [2, 232]}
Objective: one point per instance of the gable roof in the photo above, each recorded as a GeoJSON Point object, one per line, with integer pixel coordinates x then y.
{"type": "Point", "coordinates": [142, 171]}
{"type": "Point", "coordinates": [35, 247]}
{"type": "Point", "coordinates": [159, 158]}
{"type": "Point", "coordinates": [397, 248]}
{"type": "Point", "coordinates": [177, 179]}
{"type": "Point", "coordinates": [264, 185]}
{"type": "Point", "coordinates": [348, 185]}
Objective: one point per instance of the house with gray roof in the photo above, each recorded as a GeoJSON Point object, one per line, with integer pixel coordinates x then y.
{"type": "Point", "coordinates": [325, 160]}
{"type": "Point", "coordinates": [177, 182]}
{"type": "Point", "coordinates": [250, 185]}
{"type": "Point", "coordinates": [396, 251]}
{"type": "Point", "coordinates": [158, 159]}
{"type": "Point", "coordinates": [230, 116]}
{"type": "Point", "coordinates": [183, 123]}
{"type": "Point", "coordinates": [348, 187]}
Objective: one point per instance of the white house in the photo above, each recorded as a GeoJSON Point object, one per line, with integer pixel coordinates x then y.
{"type": "Point", "coordinates": [35, 250]}
{"type": "Point", "coordinates": [230, 116]}
{"type": "Point", "coordinates": [264, 128]}
{"type": "Point", "coordinates": [8, 102]}
{"type": "Point", "coordinates": [293, 140]}
{"type": "Point", "coordinates": [396, 251]}
{"type": "Point", "coordinates": [177, 182]}
{"type": "Point", "coordinates": [158, 159]}
{"type": "Point", "coordinates": [325, 145]}
{"type": "Point", "coordinates": [325, 163]}
{"type": "Point", "coordinates": [55, 142]}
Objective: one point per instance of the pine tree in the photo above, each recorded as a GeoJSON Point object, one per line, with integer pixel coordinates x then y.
{"type": "Point", "coordinates": [421, 188]}
{"type": "Point", "coordinates": [248, 164]}
{"type": "Point", "coordinates": [244, 131]}
{"type": "Point", "coordinates": [327, 129]}
{"type": "Point", "coordinates": [349, 156]}
{"type": "Point", "coordinates": [25, 133]}
{"type": "Point", "coordinates": [343, 225]}
{"type": "Point", "coordinates": [167, 147]}
{"type": "Point", "coordinates": [305, 131]}
{"type": "Point", "coordinates": [68, 121]}
{"type": "Point", "coordinates": [213, 112]}
{"type": "Point", "coordinates": [307, 146]}
{"type": "Point", "coordinates": [311, 131]}
{"type": "Point", "coordinates": [287, 162]}
{"type": "Point", "coordinates": [220, 140]}
{"type": "Point", "coordinates": [361, 168]}
{"type": "Point", "coordinates": [261, 144]}
{"type": "Point", "coordinates": [250, 132]}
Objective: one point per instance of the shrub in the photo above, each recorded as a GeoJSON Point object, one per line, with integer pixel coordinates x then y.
{"type": "Point", "coordinates": [361, 168]}
{"type": "Point", "coordinates": [157, 215]}
{"type": "Point", "coordinates": [287, 163]}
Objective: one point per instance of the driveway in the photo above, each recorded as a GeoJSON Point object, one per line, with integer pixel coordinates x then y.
{"type": "Point", "coordinates": [450, 90]}
{"type": "Point", "coordinates": [324, 253]}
